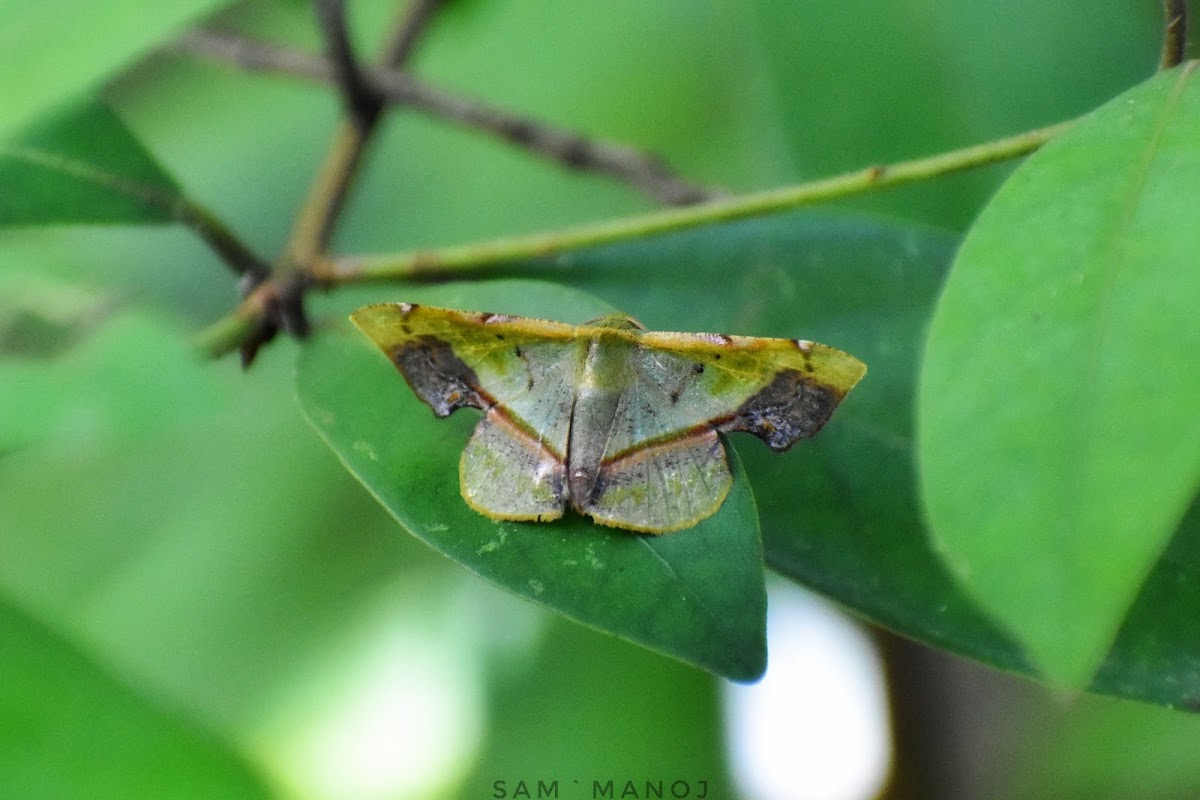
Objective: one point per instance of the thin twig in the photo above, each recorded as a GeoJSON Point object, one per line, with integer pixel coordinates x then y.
{"type": "Point", "coordinates": [236, 254]}
{"type": "Point", "coordinates": [1174, 34]}
{"type": "Point", "coordinates": [321, 209]}
{"type": "Point", "coordinates": [362, 100]}
{"type": "Point", "coordinates": [278, 303]}
{"type": "Point", "coordinates": [431, 263]}
{"type": "Point", "coordinates": [641, 170]}
{"type": "Point", "coordinates": [224, 336]}
{"type": "Point", "coordinates": [223, 241]}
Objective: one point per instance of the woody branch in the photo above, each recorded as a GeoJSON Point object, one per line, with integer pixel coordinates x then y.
{"type": "Point", "coordinates": [277, 303]}
{"type": "Point", "coordinates": [571, 150]}
{"type": "Point", "coordinates": [238, 328]}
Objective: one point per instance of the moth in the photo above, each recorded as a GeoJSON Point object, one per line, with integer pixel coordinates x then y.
{"type": "Point", "coordinates": [617, 422]}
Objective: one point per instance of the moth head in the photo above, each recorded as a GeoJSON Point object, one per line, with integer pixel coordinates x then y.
{"type": "Point", "coordinates": [616, 320]}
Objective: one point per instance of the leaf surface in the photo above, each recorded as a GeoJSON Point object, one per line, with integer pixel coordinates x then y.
{"type": "Point", "coordinates": [68, 730]}
{"type": "Point", "coordinates": [82, 165]}
{"type": "Point", "coordinates": [1059, 437]}
{"type": "Point", "coordinates": [54, 51]}
{"type": "Point", "coordinates": [696, 595]}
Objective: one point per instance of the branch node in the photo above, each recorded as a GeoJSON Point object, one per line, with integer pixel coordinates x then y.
{"type": "Point", "coordinates": [1174, 48]}
{"type": "Point", "coordinates": [363, 102]}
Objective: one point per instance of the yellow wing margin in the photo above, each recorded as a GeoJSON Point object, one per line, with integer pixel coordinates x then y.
{"type": "Point", "coordinates": [749, 360]}
{"type": "Point", "coordinates": [471, 334]}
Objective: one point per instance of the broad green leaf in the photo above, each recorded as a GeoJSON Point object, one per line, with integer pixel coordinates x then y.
{"type": "Point", "coordinates": [82, 165]}
{"type": "Point", "coordinates": [123, 374]}
{"type": "Point", "coordinates": [54, 51]}
{"type": "Point", "coordinates": [68, 730]}
{"type": "Point", "coordinates": [696, 595]}
{"type": "Point", "coordinates": [1154, 655]}
{"type": "Point", "coordinates": [839, 512]}
{"type": "Point", "coordinates": [1059, 439]}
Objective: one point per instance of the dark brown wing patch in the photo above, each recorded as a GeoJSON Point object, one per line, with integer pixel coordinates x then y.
{"type": "Point", "coordinates": [790, 408]}
{"type": "Point", "coordinates": [439, 377]}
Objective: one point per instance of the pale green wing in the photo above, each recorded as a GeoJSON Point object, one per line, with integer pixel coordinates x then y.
{"type": "Point", "coordinates": [663, 465]}
{"type": "Point", "coordinates": [527, 367]}
{"type": "Point", "coordinates": [506, 474]}
{"type": "Point", "coordinates": [781, 390]}
{"type": "Point", "coordinates": [521, 372]}
{"type": "Point", "coordinates": [663, 446]}
{"type": "Point", "coordinates": [662, 487]}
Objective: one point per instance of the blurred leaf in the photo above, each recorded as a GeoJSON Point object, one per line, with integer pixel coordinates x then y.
{"type": "Point", "coordinates": [67, 730]}
{"type": "Point", "coordinates": [208, 562]}
{"type": "Point", "coordinates": [942, 75]}
{"type": "Point", "coordinates": [698, 595]}
{"type": "Point", "coordinates": [1060, 442]}
{"type": "Point", "coordinates": [657, 720]}
{"type": "Point", "coordinates": [41, 317]}
{"type": "Point", "coordinates": [53, 51]}
{"type": "Point", "coordinates": [1109, 750]}
{"type": "Point", "coordinates": [82, 165]}
{"type": "Point", "coordinates": [124, 376]}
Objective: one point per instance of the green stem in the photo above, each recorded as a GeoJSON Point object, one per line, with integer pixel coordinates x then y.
{"type": "Point", "coordinates": [451, 260]}
{"type": "Point", "coordinates": [223, 241]}
{"type": "Point", "coordinates": [227, 334]}
{"type": "Point", "coordinates": [330, 189]}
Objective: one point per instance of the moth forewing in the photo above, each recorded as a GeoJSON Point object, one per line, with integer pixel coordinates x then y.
{"type": "Point", "coordinates": [618, 422]}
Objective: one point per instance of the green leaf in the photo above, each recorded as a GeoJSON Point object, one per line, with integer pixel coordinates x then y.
{"type": "Point", "coordinates": [1059, 439]}
{"type": "Point", "coordinates": [839, 512]}
{"type": "Point", "coordinates": [82, 165]}
{"type": "Point", "coordinates": [73, 367]}
{"type": "Point", "coordinates": [1154, 655]}
{"type": "Point", "coordinates": [696, 595]}
{"type": "Point", "coordinates": [53, 51]}
{"type": "Point", "coordinates": [68, 730]}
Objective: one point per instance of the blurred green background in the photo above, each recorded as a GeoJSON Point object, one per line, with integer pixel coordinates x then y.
{"type": "Point", "coordinates": [197, 600]}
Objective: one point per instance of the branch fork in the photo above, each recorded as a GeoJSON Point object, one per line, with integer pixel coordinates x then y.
{"type": "Point", "coordinates": [274, 301]}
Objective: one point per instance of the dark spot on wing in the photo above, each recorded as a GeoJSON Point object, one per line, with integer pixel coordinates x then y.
{"type": "Point", "coordinates": [805, 348]}
{"type": "Point", "coordinates": [790, 408]}
{"type": "Point", "coordinates": [406, 329]}
{"type": "Point", "coordinates": [438, 376]}
{"type": "Point", "coordinates": [697, 368]}
{"type": "Point", "coordinates": [528, 369]}
{"type": "Point", "coordinates": [500, 337]}
{"type": "Point", "coordinates": [674, 397]}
